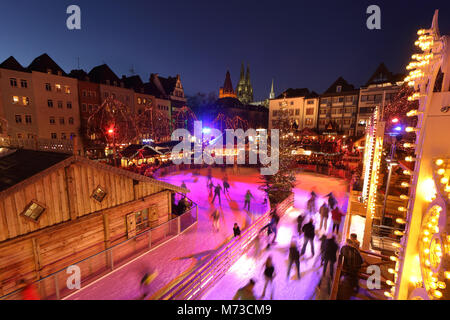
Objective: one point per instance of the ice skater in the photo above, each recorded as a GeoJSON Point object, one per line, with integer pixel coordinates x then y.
{"type": "Point", "coordinates": [216, 219]}
{"type": "Point", "coordinates": [210, 188]}
{"type": "Point", "coordinates": [300, 220]}
{"type": "Point", "coordinates": [294, 257]}
{"type": "Point", "coordinates": [336, 215]}
{"type": "Point", "coordinates": [311, 205]}
{"type": "Point", "coordinates": [226, 185]}
{"type": "Point", "coordinates": [269, 274]}
{"type": "Point", "coordinates": [145, 283]}
{"type": "Point", "coordinates": [332, 202]}
{"type": "Point", "coordinates": [248, 197]}
{"type": "Point", "coordinates": [246, 292]}
{"type": "Point", "coordinates": [309, 234]}
{"type": "Point", "coordinates": [217, 190]}
{"type": "Point", "coordinates": [331, 248]}
{"type": "Point", "coordinates": [209, 176]}
{"type": "Point", "coordinates": [324, 213]}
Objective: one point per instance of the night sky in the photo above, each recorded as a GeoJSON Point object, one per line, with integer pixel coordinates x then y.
{"type": "Point", "coordinates": [299, 43]}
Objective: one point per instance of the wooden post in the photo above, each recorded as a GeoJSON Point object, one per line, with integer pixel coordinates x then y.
{"type": "Point", "coordinates": [37, 259]}
{"type": "Point", "coordinates": [70, 192]}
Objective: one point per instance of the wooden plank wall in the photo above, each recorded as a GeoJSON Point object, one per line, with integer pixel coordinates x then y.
{"type": "Point", "coordinates": [74, 226]}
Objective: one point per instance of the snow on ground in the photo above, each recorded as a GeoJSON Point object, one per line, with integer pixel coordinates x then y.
{"type": "Point", "coordinates": [250, 266]}
{"type": "Point", "coordinates": [188, 250]}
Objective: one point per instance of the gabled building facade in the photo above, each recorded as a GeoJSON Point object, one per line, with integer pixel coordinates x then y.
{"type": "Point", "coordinates": [379, 90]}
{"type": "Point", "coordinates": [338, 107]}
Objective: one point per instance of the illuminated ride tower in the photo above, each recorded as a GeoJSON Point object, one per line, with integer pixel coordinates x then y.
{"type": "Point", "coordinates": [422, 269]}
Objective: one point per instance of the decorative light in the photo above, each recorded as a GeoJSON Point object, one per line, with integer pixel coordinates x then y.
{"type": "Point", "coordinates": [411, 129]}
{"type": "Point", "coordinates": [391, 271]}
{"type": "Point", "coordinates": [437, 294]}
{"type": "Point", "coordinates": [400, 221]}
{"type": "Point", "coordinates": [405, 184]}
{"type": "Point", "coordinates": [447, 274]}
{"type": "Point", "coordinates": [407, 172]}
{"type": "Point", "coordinates": [393, 258]}
{"type": "Point", "coordinates": [439, 162]}
{"type": "Point", "coordinates": [396, 244]}
{"type": "Point", "coordinates": [390, 283]}
{"type": "Point", "coordinates": [402, 209]}
{"type": "Point", "coordinates": [444, 180]}
{"type": "Point", "coordinates": [388, 294]}
{"type": "Point", "coordinates": [404, 197]}
{"type": "Point", "coordinates": [410, 159]}
{"type": "Point", "coordinates": [441, 171]}
{"type": "Point", "coordinates": [399, 233]}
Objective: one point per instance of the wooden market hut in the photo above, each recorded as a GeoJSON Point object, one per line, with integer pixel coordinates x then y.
{"type": "Point", "coordinates": [57, 209]}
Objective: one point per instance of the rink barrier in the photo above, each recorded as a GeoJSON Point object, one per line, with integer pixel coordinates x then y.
{"type": "Point", "coordinates": [101, 264]}
{"type": "Point", "coordinates": [202, 278]}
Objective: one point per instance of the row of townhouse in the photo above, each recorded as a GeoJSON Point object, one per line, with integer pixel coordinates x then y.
{"type": "Point", "coordinates": [341, 109]}
{"type": "Point", "coordinates": [43, 101]}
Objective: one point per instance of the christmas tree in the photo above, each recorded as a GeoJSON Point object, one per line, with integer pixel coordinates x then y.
{"type": "Point", "coordinates": [279, 186]}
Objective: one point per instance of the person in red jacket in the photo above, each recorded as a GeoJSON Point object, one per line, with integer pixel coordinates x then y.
{"type": "Point", "coordinates": [336, 216]}
{"type": "Point", "coordinates": [30, 291]}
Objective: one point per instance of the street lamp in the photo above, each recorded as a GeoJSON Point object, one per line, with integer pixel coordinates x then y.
{"type": "Point", "coordinates": [112, 133]}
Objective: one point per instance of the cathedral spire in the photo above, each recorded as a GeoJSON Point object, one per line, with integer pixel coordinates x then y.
{"type": "Point", "coordinates": [272, 93]}
{"type": "Point", "coordinates": [227, 89]}
{"type": "Point", "coordinates": [247, 78]}
{"type": "Point", "coordinates": [242, 72]}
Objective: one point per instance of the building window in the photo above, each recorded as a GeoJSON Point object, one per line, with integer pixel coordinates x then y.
{"type": "Point", "coordinates": [297, 112]}
{"type": "Point", "coordinates": [72, 135]}
{"type": "Point", "coordinates": [310, 102]}
{"type": "Point", "coordinates": [84, 93]}
{"type": "Point", "coordinates": [63, 136]}
{"type": "Point", "coordinates": [48, 87]}
{"type": "Point", "coordinates": [15, 99]}
{"type": "Point", "coordinates": [33, 211]}
{"type": "Point", "coordinates": [26, 101]}
{"type": "Point", "coordinates": [338, 88]}
{"type": "Point", "coordinates": [90, 108]}
{"type": "Point", "coordinates": [53, 135]}
{"type": "Point", "coordinates": [13, 82]}
{"type": "Point", "coordinates": [18, 118]}
{"type": "Point", "coordinates": [274, 113]}
{"type": "Point", "coordinates": [309, 121]}
{"type": "Point", "coordinates": [61, 120]}
{"type": "Point", "coordinates": [19, 136]}
{"type": "Point", "coordinates": [27, 118]}
{"type": "Point", "coordinates": [69, 105]}
{"type": "Point", "coordinates": [60, 104]}
{"type": "Point", "coordinates": [99, 194]}
{"type": "Point", "coordinates": [30, 136]}
{"type": "Point", "coordinates": [50, 103]}
{"type": "Point", "coordinates": [139, 101]}
{"type": "Point", "coordinates": [24, 83]}
{"type": "Point", "coordinates": [52, 120]}
{"type": "Point", "coordinates": [70, 120]}
{"type": "Point", "coordinates": [292, 103]}
{"type": "Point", "coordinates": [67, 89]}
{"type": "Point", "coordinates": [309, 111]}
{"type": "Point", "coordinates": [83, 107]}
{"type": "Point", "coordinates": [142, 220]}
{"type": "Point", "coordinates": [291, 112]}
{"type": "Point", "coordinates": [323, 111]}
{"type": "Point", "coordinates": [58, 87]}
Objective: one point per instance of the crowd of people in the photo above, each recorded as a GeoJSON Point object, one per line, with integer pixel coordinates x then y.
{"type": "Point", "coordinates": [329, 250]}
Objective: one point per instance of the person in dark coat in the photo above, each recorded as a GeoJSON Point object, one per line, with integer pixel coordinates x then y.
{"type": "Point", "coordinates": [217, 191]}
{"type": "Point", "coordinates": [352, 263]}
{"type": "Point", "coordinates": [300, 220]}
{"type": "Point", "coordinates": [331, 248]}
{"type": "Point", "coordinates": [269, 274]}
{"type": "Point", "coordinates": [309, 233]}
{"type": "Point", "coordinates": [323, 240]}
{"type": "Point", "coordinates": [246, 292]}
{"type": "Point", "coordinates": [236, 230]}
{"type": "Point", "coordinates": [294, 257]}
{"type": "Point", "coordinates": [332, 202]}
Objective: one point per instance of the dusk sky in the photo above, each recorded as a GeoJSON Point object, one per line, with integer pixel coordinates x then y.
{"type": "Point", "coordinates": [298, 43]}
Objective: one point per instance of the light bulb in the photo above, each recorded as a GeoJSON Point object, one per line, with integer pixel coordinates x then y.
{"type": "Point", "coordinates": [439, 162]}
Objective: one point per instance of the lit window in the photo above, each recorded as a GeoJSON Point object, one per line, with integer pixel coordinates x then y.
{"type": "Point", "coordinates": [139, 100]}
{"type": "Point", "coordinates": [99, 194]}
{"type": "Point", "coordinates": [309, 121]}
{"type": "Point", "coordinates": [67, 89]}
{"type": "Point", "coordinates": [15, 99]}
{"type": "Point", "coordinates": [33, 211]}
{"type": "Point", "coordinates": [13, 82]}
{"type": "Point", "coordinates": [26, 101]}
{"type": "Point", "coordinates": [58, 87]}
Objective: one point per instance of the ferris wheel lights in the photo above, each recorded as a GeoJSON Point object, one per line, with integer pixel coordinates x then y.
{"type": "Point", "coordinates": [426, 251]}
{"type": "Point", "coordinates": [427, 263]}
